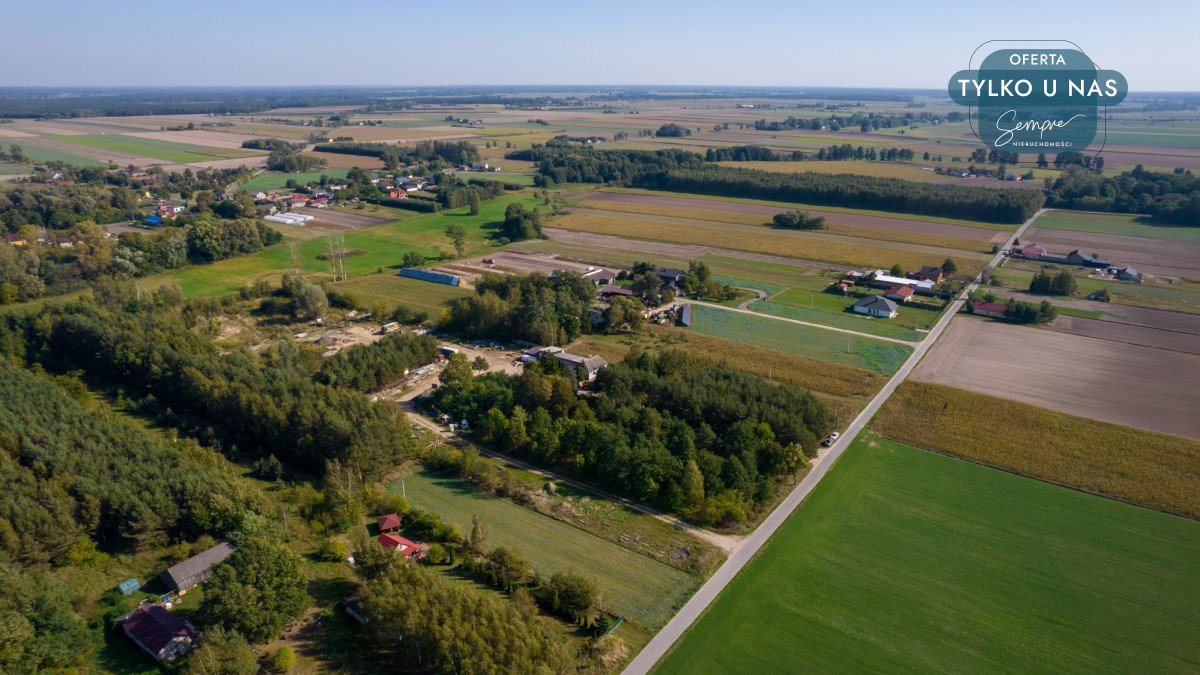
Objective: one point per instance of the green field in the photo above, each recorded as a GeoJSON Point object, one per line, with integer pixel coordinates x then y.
{"type": "Point", "coordinates": [915, 313]}
{"type": "Point", "coordinates": [8, 168]}
{"type": "Point", "coordinates": [631, 585]}
{"type": "Point", "coordinates": [896, 328]}
{"type": "Point", "coordinates": [525, 179]}
{"type": "Point", "coordinates": [905, 560]}
{"type": "Point", "coordinates": [383, 246]}
{"type": "Point", "coordinates": [1114, 223]}
{"type": "Point", "coordinates": [146, 147]}
{"type": "Point", "coordinates": [815, 343]}
{"type": "Point", "coordinates": [393, 289]}
{"type": "Point", "coordinates": [273, 181]}
{"type": "Point", "coordinates": [42, 155]}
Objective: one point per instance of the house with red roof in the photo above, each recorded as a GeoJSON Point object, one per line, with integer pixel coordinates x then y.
{"type": "Point", "coordinates": [992, 309]}
{"type": "Point", "coordinates": [1031, 251]}
{"type": "Point", "coordinates": [160, 633]}
{"type": "Point", "coordinates": [398, 544]}
{"type": "Point", "coordinates": [388, 523]}
{"type": "Point", "coordinates": [899, 293]}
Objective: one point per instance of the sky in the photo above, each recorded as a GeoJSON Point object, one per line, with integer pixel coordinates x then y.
{"type": "Point", "coordinates": [912, 44]}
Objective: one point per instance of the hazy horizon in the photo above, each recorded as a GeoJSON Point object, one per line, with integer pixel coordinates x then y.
{"type": "Point", "coordinates": [701, 44]}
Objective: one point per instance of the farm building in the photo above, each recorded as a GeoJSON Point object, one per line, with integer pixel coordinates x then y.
{"type": "Point", "coordinates": [397, 544]}
{"type": "Point", "coordinates": [992, 309]}
{"type": "Point", "coordinates": [1128, 274]}
{"type": "Point", "coordinates": [884, 280]}
{"type": "Point", "coordinates": [600, 276]}
{"type": "Point", "coordinates": [876, 305]}
{"type": "Point", "coordinates": [129, 586]}
{"type": "Point", "coordinates": [899, 293]}
{"type": "Point", "coordinates": [1093, 260]}
{"type": "Point", "coordinates": [160, 633]}
{"type": "Point", "coordinates": [196, 569]}
{"type": "Point", "coordinates": [288, 218]}
{"type": "Point", "coordinates": [609, 290]}
{"type": "Point", "coordinates": [685, 316]}
{"type": "Point", "coordinates": [389, 522]}
{"type": "Point", "coordinates": [426, 275]}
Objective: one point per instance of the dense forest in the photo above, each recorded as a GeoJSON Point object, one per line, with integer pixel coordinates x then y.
{"type": "Point", "coordinates": [393, 156]}
{"type": "Point", "coordinates": [537, 308]}
{"type": "Point", "coordinates": [700, 439]}
{"type": "Point", "coordinates": [377, 365]}
{"type": "Point", "coordinates": [253, 405]}
{"type": "Point", "coordinates": [683, 171]}
{"type": "Point", "coordinates": [865, 192]}
{"type": "Point", "coordinates": [1169, 197]}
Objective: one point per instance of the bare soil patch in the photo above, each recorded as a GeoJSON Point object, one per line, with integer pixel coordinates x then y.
{"type": "Point", "coordinates": [840, 217]}
{"type": "Point", "coordinates": [1144, 336]}
{"type": "Point", "coordinates": [1102, 379]}
{"type": "Point", "coordinates": [340, 219]}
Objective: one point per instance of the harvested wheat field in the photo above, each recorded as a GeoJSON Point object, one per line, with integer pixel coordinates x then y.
{"type": "Point", "coordinates": [1103, 379]}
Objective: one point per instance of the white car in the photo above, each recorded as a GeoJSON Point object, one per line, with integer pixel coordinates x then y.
{"type": "Point", "coordinates": [831, 439]}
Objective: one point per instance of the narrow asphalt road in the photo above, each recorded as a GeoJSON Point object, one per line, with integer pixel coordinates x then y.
{"type": "Point", "coordinates": [661, 643]}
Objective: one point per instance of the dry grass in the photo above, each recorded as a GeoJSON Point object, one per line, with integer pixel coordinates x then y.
{"type": "Point", "coordinates": [761, 240]}
{"type": "Point", "coordinates": [1143, 467]}
{"type": "Point", "coordinates": [905, 237]}
{"type": "Point", "coordinates": [818, 376]}
{"type": "Point", "coordinates": [340, 161]}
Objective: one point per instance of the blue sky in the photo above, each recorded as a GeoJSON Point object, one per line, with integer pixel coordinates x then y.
{"type": "Point", "coordinates": [862, 43]}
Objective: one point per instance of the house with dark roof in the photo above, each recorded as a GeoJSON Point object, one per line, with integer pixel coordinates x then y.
{"type": "Point", "coordinates": [1128, 274]}
{"type": "Point", "coordinates": [160, 633]}
{"type": "Point", "coordinates": [397, 544]}
{"type": "Point", "coordinates": [669, 275]}
{"type": "Point", "coordinates": [876, 305]}
{"type": "Point", "coordinates": [585, 366]}
{"type": "Point", "coordinates": [1093, 260]}
{"type": "Point", "coordinates": [389, 522]}
{"type": "Point", "coordinates": [992, 309]}
{"type": "Point", "coordinates": [930, 273]}
{"type": "Point", "coordinates": [609, 290]}
{"type": "Point", "coordinates": [196, 569]}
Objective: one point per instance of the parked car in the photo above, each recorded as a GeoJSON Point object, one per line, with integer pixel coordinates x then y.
{"type": "Point", "coordinates": [831, 439]}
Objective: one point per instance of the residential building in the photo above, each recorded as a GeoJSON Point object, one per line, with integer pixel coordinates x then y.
{"type": "Point", "coordinates": [992, 309]}
{"type": "Point", "coordinates": [1031, 251]}
{"type": "Point", "coordinates": [160, 633]}
{"type": "Point", "coordinates": [389, 522]}
{"type": "Point", "coordinates": [876, 305]}
{"type": "Point", "coordinates": [899, 293]}
{"type": "Point", "coordinates": [397, 544]}
{"type": "Point", "coordinates": [15, 239]}
{"type": "Point", "coordinates": [1128, 274]}
{"type": "Point", "coordinates": [669, 275]}
{"type": "Point", "coordinates": [930, 273]}
{"type": "Point", "coordinates": [196, 569]}
{"type": "Point", "coordinates": [585, 366]}
{"type": "Point", "coordinates": [1093, 260]}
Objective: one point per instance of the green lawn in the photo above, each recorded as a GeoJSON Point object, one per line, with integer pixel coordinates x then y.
{"type": "Point", "coordinates": [1114, 223]}
{"type": "Point", "coordinates": [631, 585]}
{"type": "Point", "coordinates": [42, 155]}
{"type": "Point", "coordinates": [893, 328]}
{"type": "Point", "coordinates": [383, 246]}
{"type": "Point", "coordinates": [525, 179]}
{"type": "Point", "coordinates": [412, 293]}
{"type": "Point", "coordinates": [919, 312]}
{"type": "Point", "coordinates": [905, 560]}
{"type": "Point", "coordinates": [815, 343]}
{"type": "Point", "coordinates": [147, 147]}
{"type": "Point", "coordinates": [8, 168]}
{"type": "Point", "coordinates": [274, 181]}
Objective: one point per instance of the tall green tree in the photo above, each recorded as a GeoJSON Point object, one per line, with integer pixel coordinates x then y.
{"type": "Point", "coordinates": [258, 590]}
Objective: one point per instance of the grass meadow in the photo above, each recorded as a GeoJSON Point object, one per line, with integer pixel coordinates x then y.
{"type": "Point", "coordinates": [905, 560]}
{"type": "Point", "coordinates": [631, 585]}
{"type": "Point", "coordinates": [1155, 470]}
{"type": "Point", "coordinates": [382, 248]}
{"type": "Point", "coordinates": [397, 290]}
{"type": "Point", "coordinates": [813, 343]}
{"type": "Point", "coordinates": [1114, 223]}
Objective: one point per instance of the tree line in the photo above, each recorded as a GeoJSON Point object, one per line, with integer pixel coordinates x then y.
{"type": "Point", "coordinates": [697, 438]}
{"type": "Point", "coordinates": [541, 309]}
{"type": "Point", "coordinates": [1168, 197]}
{"type": "Point", "coordinates": [450, 152]}
{"type": "Point", "coordinates": [375, 366]}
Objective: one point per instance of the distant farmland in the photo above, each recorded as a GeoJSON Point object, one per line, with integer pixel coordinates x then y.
{"type": "Point", "coordinates": [158, 149]}
{"type": "Point", "coordinates": [905, 560]}
{"type": "Point", "coordinates": [275, 181]}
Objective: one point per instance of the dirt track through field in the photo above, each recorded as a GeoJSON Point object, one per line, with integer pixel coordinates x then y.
{"type": "Point", "coordinates": [1150, 256]}
{"type": "Point", "coordinates": [839, 217]}
{"type": "Point", "coordinates": [1104, 379]}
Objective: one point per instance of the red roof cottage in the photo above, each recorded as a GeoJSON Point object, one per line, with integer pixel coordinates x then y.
{"type": "Point", "coordinates": [388, 523]}
{"type": "Point", "coordinates": [163, 635]}
{"type": "Point", "coordinates": [899, 293]}
{"type": "Point", "coordinates": [992, 309]}
{"type": "Point", "coordinates": [398, 544]}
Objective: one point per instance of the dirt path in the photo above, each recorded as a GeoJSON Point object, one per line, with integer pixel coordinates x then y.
{"type": "Point", "coordinates": [740, 309]}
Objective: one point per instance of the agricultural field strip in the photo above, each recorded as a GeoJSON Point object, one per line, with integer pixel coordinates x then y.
{"type": "Point", "coordinates": [653, 652]}
{"type": "Point", "coordinates": [870, 336]}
